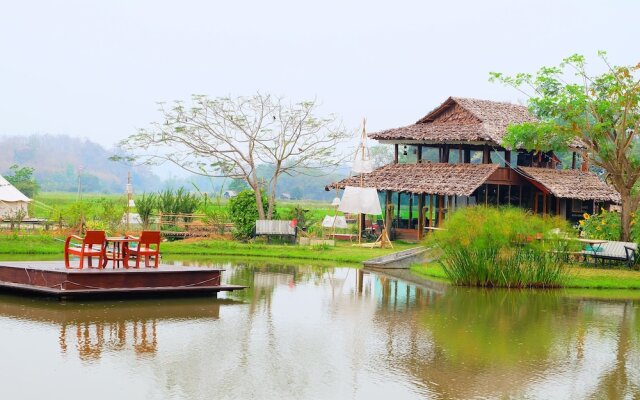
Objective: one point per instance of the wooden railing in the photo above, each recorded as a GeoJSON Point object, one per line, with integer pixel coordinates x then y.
{"type": "Point", "coordinates": [188, 225]}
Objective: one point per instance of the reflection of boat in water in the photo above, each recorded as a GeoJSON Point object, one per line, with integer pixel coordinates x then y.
{"type": "Point", "coordinates": [101, 326]}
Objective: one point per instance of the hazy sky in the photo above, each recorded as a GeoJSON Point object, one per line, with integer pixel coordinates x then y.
{"type": "Point", "coordinates": [96, 69]}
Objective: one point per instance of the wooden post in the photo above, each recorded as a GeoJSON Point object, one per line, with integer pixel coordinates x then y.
{"type": "Point", "coordinates": [486, 155]}
{"type": "Point", "coordinates": [431, 210]}
{"type": "Point", "coordinates": [419, 155]}
{"type": "Point", "coordinates": [388, 215]}
{"type": "Point", "coordinates": [398, 211]}
{"type": "Point", "coordinates": [395, 153]}
{"type": "Point", "coordinates": [410, 222]}
{"type": "Point", "coordinates": [486, 194]}
{"type": "Point", "coordinates": [420, 216]}
{"type": "Point", "coordinates": [507, 158]}
{"type": "Point", "coordinates": [573, 160]}
{"type": "Point", "coordinates": [460, 154]}
{"type": "Point", "coordinates": [535, 203]}
{"type": "Point", "coordinates": [467, 155]}
{"type": "Point", "coordinates": [520, 197]}
{"type": "Point", "coordinates": [445, 154]}
{"type": "Point", "coordinates": [440, 206]}
{"type": "Point", "coordinates": [557, 205]}
{"type": "Point", "coordinates": [498, 196]}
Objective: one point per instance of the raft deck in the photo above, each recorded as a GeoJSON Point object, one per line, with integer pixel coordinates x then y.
{"type": "Point", "coordinates": [53, 279]}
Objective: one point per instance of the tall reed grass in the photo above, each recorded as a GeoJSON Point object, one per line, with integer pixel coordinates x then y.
{"type": "Point", "coordinates": [503, 247]}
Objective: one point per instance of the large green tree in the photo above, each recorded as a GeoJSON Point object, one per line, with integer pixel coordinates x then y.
{"type": "Point", "coordinates": [601, 111]}
{"type": "Point", "coordinates": [22, 178]}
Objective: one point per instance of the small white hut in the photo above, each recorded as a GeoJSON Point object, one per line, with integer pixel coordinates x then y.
{"type": "Point", "coordinates": [11, 199]}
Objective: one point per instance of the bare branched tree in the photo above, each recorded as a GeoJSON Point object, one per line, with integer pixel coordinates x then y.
{"type": "Point", "coordinates": [229, 137]}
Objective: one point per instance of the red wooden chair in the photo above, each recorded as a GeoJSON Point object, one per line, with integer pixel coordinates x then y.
{"type": "Point", "coordinates": [148, 246]}
{"type": "Point", "coordinates": [86, 249]}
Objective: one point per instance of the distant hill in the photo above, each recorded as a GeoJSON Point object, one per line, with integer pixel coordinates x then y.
{"type": "Point", "coordinates": [57, 160]}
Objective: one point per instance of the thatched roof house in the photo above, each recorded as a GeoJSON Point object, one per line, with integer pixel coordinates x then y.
{"type": "Point", "coordinates": [461, 120]}
{"type": "Point", "coordinates": [466, 163]}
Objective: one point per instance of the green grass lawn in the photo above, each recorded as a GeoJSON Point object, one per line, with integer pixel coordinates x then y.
{"type": "Point", "coordinates": [578, 277]}
{"type": "Point", "coordinates": [31, 244]}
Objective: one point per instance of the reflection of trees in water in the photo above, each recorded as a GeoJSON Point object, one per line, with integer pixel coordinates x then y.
{"type": "Point", "coordinates": [623, 380]}
{"type": "Point", "coordinates": [508, 343]}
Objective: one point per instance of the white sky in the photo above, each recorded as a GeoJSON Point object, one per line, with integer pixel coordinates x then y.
{"type": "Point", "coordinates": [96, 69]}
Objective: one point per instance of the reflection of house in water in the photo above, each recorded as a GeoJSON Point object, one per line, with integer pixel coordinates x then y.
{"type": "Point", "coordinates": [96, 328]}
{"type": "Point", "coordinates": [271, 279]}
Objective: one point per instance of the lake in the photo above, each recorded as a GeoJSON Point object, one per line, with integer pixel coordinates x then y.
{"type": "Point", "coordinates": [323, 332]}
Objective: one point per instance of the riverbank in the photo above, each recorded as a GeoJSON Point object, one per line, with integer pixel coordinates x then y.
{"type": "Point", "coordinates": [343, 252]}
{"type": "Point", "coordinates": [579, 277]}
{"type": "Point", "coordinates": [32, 246]}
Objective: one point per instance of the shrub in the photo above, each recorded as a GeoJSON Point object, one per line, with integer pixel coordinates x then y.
{"type": "Point", "coordinates": [502, 247]}
{"type": "Point", "coordinates": [145, 206]}
{"type": "Point", "coordinates": [243, 212]}
{"type": "Point", "coordinates": [606, 226]}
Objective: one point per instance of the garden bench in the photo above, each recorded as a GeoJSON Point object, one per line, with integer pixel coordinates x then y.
{"type": "Point", "coordinates": [613, 251]}
{"type": "Point", "coordinates": [277, 228]}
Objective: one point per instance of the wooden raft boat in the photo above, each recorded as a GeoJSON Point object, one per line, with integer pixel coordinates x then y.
{"type": "Point", "coordinates": [53, 279]}
{"type": "Point", "coordinates": [398, 260]}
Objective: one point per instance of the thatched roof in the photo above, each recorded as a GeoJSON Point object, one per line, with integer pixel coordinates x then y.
{"type": "Point", "coordinates": [431, 178]}
{"type": "Point", "coordinates": [462, 120]}
{"type": "Point", "coordinates": [572, 184]}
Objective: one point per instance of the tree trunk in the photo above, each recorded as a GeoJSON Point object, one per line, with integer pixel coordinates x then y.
{"type": "Point", "coordinates": [272, 195]}
{"type": "Point", "coordinates": [625, 217]}
{"type": "Point", "coordinates": [255, 185]}
{"type": "Point", "coordinates": [272, 199]}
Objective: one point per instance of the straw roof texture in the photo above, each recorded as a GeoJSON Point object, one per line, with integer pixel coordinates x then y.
{"type": "Point", "coordinates": [431, 178]}
{"type": "Point", "coordinates": [462, 120]}
{"type": "Point", "coordinates": [572, 184]}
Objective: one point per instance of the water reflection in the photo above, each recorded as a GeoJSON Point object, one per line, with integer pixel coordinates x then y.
{"type": "Point", "coordinates": [317, 331]}
{"type": "Point", "coordinates": [94, 328]}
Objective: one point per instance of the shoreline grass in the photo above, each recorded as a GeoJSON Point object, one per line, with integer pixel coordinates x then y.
{"type": "Point", "coordinates": [577, 277]}
{"type": "Point", "coordinates": [43, 246]}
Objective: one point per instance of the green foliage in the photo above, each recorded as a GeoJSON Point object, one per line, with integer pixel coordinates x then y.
{"type": "Point", "coordinates": [108, 214]}
{"type": "Point", "coordinates": [145, 206]}
{"type": "Point", "coordinates": [502, 247]}
{"type": "Point", "coordinates": [301, 216]}
{"type": "Point", "coordinates": [238, 185]}
{"type": "Point", "coordinates": [606, 226]}
{"type": "Point", "coordinates": [22, 179]}
{"type": "Point", "coordinates": [216, 215]}
{"type": "Point", "coordinates": [178, 202]}
{"type": "Point", "coordinates": [602, 111]}
{"type": "Point", "coordinates": [243, 212]}
{"type": "Point", "coordinates": [101, 214]}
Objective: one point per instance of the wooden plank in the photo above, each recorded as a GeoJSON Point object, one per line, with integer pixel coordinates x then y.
{"type": "Point", "coordinates": [53, 278]}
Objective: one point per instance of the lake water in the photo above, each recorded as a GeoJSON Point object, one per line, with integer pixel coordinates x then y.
{"type": "Point", "coordinates": [315, 332]}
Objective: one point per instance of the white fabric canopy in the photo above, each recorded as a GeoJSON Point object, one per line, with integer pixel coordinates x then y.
{"type": "Point", "coordinates": [358, 200]}
{"type": "Point", "coordinates": [340, 222]}
{"type": "Point", "coordinates": [8, 193]}
{"type": "Point", "coordinates": [361, 166]}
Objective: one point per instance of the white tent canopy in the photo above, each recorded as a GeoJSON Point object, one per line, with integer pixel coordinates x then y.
{"type": "Point", "coordinates": [337, 221]}
{"type": "Point", "coordinates": [11, 199]}
{"type": "Point", "coordinates": [357, 200]}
